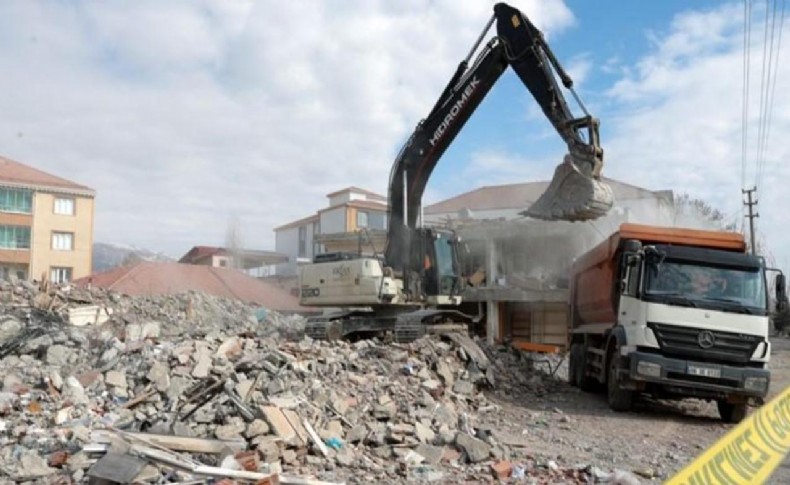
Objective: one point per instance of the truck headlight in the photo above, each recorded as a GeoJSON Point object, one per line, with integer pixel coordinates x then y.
{"type": "Point", "coordinates": [756, 383]}
{"type": "Point", "coordinates": [649, 369]}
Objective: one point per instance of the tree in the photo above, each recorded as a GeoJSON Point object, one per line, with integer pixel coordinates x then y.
{"type": "Point", "coordinates": [234, 243]}
{"type": "Point", "coordinates": [700, 211]}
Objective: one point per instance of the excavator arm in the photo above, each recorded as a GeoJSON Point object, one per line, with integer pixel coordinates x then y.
{"type": "Point", "coordinates": [575, 193]}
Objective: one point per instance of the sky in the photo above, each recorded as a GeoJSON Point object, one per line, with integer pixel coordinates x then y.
{"type": "Point", "coordinates": [186, 116]}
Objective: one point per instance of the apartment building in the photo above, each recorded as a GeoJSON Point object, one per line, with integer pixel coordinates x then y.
{"type": "Point", "coordinates": [46, 225]}
{"type": "Point", "coordinates": [350, 212]}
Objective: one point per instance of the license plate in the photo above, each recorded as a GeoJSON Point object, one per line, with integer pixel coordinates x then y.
{"type": "Point", "coordinates": [704, 371]}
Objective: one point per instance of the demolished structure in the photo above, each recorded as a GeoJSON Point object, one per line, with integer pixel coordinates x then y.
{"type": "Point", "coordinates": [193, 388]}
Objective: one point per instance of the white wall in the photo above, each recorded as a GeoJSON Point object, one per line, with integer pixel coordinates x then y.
{"type": "Point", "coordinates": [338, 199]}
{"type": "Point", "coordinates": [440, 217]}
{"type": "Point", "coordinates": [286, 241]}
{"type": "Point", "coordinates": [333, 221]}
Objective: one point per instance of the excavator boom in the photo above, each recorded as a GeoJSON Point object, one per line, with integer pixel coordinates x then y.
{"type": "Point", "coordinates": [575, 193]}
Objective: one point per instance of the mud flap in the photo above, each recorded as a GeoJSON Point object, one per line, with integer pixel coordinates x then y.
{"type": "Point", "coordinates": [572, 196]}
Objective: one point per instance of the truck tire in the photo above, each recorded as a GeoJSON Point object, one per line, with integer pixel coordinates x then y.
{"type": "Point", "coordinates": [577, 367]}
{"type": "Point", "coordinates": [575, 364]}
{"type": "Point", "coordinates": [732, 412]}
{"type": "Point", "coordinates": [620, 400]}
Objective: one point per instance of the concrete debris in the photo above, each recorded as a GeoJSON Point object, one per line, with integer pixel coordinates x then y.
{"type": "Point", "coordinates": [192, 387]}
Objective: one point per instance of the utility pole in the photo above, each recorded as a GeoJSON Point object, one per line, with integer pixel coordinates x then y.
{"type": "Point", "coordinates": [752, 215]}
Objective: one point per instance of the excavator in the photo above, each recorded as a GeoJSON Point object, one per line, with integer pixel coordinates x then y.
{"type": "Point", "coordinates": [415, 287]}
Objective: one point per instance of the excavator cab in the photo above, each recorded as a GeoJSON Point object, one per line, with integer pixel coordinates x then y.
{"type": "Point", "coordinates": [436, 254]}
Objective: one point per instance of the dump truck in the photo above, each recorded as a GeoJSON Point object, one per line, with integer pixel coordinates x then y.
{"type": "Point", "coordinates": [674, 313]}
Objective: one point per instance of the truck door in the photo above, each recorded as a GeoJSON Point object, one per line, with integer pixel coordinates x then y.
{"type": "Point", "coordinates": [630, 308]}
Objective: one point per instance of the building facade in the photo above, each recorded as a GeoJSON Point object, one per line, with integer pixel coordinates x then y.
{"type": "Point", "coordinates": [46, 225]}
{"type": "Point", "coordinates": [351, 215]}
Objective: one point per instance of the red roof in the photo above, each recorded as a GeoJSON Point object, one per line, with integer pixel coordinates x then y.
{"type": "Point", "coordinates": [155, 278]}
{"type": "Point", "coordinates": [18, 174]}
{"type": "Point", "coordinates": [197, 253]}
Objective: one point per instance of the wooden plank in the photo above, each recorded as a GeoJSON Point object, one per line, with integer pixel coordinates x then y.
{"type": "Point", "coordinates": [293, 420]}
{"type": "Point", "coordinates": [279, 422]}
{"type": "Point", "coordinates": [140, 398]}
{"type": "Point", "coordinates": [316, 439]}
{"type": "Point", "coordinates": [289, 480]}
{"type": "Point", "coordinates": [533, 347]}
{"type": "Point", "coordinates": [178, 443]}
{"type": "Point", "coordinates": [213, 471]}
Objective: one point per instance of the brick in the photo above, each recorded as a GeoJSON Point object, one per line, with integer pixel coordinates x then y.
{"type": "Point", "coordinates": [502, 469]}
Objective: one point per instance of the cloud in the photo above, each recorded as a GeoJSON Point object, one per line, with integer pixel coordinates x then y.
{"type": "Point", "coordinates": [677, 123]}
{"type": "Point", "coordinates": [186, 115]}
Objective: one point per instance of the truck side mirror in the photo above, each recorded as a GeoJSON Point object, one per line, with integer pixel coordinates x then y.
{"type": "Point", "coordinates": [632, 246]}
{"type": "Point", "coordinates": [780, 286]}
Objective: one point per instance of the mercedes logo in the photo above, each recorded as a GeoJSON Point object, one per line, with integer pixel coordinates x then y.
{"type": "Point", "coordinates": [706, 339]}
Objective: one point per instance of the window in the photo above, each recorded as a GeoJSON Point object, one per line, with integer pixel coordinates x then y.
{"type": "Point", "coordinates": [60, 275]}
{"type": "Point", "coordinates": [302, 241]}
{"type": "Point", "coordinates": [16, 200]}
{"type": "Point", "coordinates": [63, 241]}
{"type": "Point", "coordinates": [377, 220]}
{"type": "Point", "coordinates": [223, 263]}
{"type": "Point", "coordinates": [14, 237]}
{"type": "Point", "coordinates": [362, 219]}
{"type": "Point", "coordinates": [64, 206]}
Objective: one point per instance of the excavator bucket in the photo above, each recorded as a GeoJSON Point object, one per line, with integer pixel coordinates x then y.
{"type": "Point", "coordinates": [572, 195]}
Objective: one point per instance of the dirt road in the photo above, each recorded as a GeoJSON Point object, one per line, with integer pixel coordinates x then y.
{"type": "Point", "coordinates": [654, 441]}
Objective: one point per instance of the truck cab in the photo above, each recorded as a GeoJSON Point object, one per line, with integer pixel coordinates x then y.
{"type": "Point", "coordinates": [687, 316]}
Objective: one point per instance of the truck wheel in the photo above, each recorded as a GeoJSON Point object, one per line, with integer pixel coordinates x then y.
{"type": "Point", "coordinates": [619, 399]}
{"type": "Point", "coordinates": [575, 364]}
{"type": "Point", "coordinates": [730, 412]}
{"type": "Point", "coordinates": [578, 366]}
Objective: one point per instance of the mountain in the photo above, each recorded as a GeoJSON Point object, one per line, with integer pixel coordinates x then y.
{"type": "Point", "coordinates": [107, 256]}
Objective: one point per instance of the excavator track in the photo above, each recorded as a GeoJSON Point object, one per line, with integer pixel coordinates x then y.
{"type": "Point", "coordinates": [323, 328]}
{"type": "Point", "coordinates": [413, 325]}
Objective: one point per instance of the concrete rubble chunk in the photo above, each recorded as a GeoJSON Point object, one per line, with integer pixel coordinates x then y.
{"type": "Point", "coordinates": [256, 428]}
{"type": "Point", "coordinates": [424, 433]}
{"type": "Point", "coordinates": [31, 466]}
{"type": "Point", "coordinates": [476, 450]}
{"type": "Point", "coordinates": [432, 454]}
{"type": "Point", "coordinates": [230, 432]}
{"type": "Point", "coordinates": [159, 375]}
{"type": "Point", "coordinates": [116, 379]}
{"type": "Point", "coordinates": [59, 355]}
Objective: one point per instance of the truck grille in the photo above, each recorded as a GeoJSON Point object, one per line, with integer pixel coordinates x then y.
{"type": "Point", "coordinates": [724, 347]}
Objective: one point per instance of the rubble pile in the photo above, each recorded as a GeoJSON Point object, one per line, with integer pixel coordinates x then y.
{"type": "Point", "coordinates": [170, 389]}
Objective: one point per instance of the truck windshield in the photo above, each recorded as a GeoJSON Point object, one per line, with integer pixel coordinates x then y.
{"type": "Point", "coordinates": [743, 287]}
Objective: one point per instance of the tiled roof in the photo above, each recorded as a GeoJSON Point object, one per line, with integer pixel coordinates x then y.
{"type": "Point", "coordinates": [155, 278]}
{"type": "Point", "coordinates": [199, 252]}
{"type": "Point", "coordinates": [17, 174]}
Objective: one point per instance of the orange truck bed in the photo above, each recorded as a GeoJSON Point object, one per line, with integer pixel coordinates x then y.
{"type": "Point", "coordinates": [593, 273]}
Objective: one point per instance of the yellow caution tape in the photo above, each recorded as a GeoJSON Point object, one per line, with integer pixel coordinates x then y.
{"type": "Point", "coordinates": [748, 453]}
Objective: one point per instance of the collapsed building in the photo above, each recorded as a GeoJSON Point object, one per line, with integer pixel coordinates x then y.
{"type": "Point", "coordinates": [516, 268]}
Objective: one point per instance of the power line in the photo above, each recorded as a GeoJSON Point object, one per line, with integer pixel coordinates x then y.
{"type": "Point", "coordinates": [761, 121]}
{"type": "Point", "coordinates": [769, 46]}
{"type": "Point", "coordinates": [747, 36]}
{"type": "Point", "coordinates": [772, 91]}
